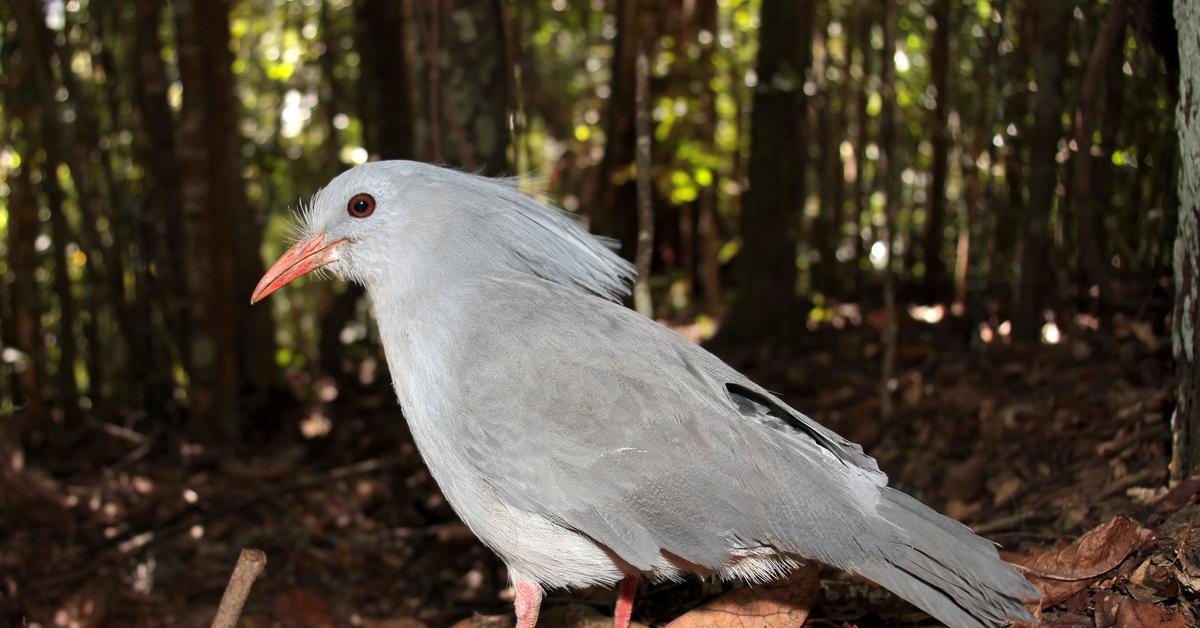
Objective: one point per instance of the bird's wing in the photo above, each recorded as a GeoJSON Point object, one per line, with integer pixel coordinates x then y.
{"type": "Point", "coordinates": [594, 417]}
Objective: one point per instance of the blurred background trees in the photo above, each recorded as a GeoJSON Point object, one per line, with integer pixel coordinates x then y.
{"type": "Point", "coordinates": [953, 230]}
{"type": "Point", "coordinates": [1007, 164]}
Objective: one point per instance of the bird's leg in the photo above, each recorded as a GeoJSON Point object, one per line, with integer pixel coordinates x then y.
{"type": "Point", "coordinates": [527, 603]}
{"type": "Point", "coordinates": [625, 594]}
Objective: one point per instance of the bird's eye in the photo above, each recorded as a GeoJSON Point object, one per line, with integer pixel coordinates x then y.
{"type": "Point", "coordinates": [361, 205]}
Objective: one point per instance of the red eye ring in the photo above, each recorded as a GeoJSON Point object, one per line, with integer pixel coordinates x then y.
{"type": "Point", "coordinates": [361, 205]}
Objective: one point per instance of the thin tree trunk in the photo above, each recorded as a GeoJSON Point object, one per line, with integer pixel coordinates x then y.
{"type": "Point", "coordinates": [645, 237]}
{"type": "Point", "coordinates": [613, 211]}
{"type": "Point", "coordinates": [836, 180]}
{"type": "Point", "coordinates": [935, 218]}
{"type": "Point", "coordinates": [1004, 259]}
{"type": "Point", "coordinates": [67, 389]}
{"type": "Point", "coordinates": [22, 232]}
{"type": "Point", "coordinates": [1109, 42]}
{"type": "Point", "coordinates": [888, 170]}
{"type": "Point", "coordinates": [708, 222]}
{"type": "Point", "coordinates": [970, 270]}
{"type": "Point", "coordinates": [861, 192]}
{"type": "Point", "coordinates": [822, 113]}
{"type": "Point", "coordinates": [1053, 20]}
{"type": "Point", "coordinates": [1185, 423]}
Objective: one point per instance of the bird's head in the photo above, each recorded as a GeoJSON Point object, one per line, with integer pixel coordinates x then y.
{"type": "Point", "coordinates": [399, 223]}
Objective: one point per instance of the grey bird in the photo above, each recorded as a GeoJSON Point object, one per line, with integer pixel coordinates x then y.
{"type": "Point", "coordinates": [588, 445]}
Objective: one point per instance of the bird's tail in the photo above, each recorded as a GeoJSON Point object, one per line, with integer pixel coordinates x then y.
{"type": "Point", "coordinates": [939, 565]}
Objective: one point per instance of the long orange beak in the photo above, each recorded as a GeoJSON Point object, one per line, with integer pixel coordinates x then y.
{"type": "Point", "coordinates": [301, 259]}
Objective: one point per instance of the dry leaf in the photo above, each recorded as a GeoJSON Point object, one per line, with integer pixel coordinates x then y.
{"type": "Point", "coordinates": [785, 603]}
{"type": "Point", "coordinates": [1063, 572]}
{"type": "Point", "coordinates": [1135, 614]}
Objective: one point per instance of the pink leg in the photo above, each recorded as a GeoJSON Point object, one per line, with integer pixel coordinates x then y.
{"type": "Point", "coordinates": [527, 604]}
{"type": "Point", "coordinates": [625, 594]}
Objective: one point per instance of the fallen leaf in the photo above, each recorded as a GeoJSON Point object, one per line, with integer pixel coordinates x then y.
{"type": "Point", "coordinates": [1135, 614]}
{"type": "Point", "coordinates": [1063, 572]}
{"type": "Point", "coordinates": [785, 603]}
{"type": "Point", "coordinates": [1106, 605]}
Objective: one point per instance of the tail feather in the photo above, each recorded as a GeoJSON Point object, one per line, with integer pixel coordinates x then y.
{"type": "Point", "coordinates": [945, 569]}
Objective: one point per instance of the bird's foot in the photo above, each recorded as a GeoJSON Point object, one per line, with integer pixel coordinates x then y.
{"type": "Point", "coordinates": [527, 604]}
{"type": "Point", "coordinates": [626, 591]}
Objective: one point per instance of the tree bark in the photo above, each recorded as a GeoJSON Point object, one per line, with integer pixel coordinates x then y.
{"type": "Point", "coordinates": [475, 79]}
{"type": "Point", "coordinates": [765, 305]}
{"type": "Point", "coordinates": [385, 95]}
{"type": "Point", "coordinates": [1053, 20]}
{"type": "Point", "coordinates": [1185, 424]}
{"type": "Point", "coordinates": [935, 218]}
{"type": "Point", "coordinates": [208, 245]}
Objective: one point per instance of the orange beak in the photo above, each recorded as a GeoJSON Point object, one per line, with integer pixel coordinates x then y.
{"type": "Point", "coordinates": [301, 259]}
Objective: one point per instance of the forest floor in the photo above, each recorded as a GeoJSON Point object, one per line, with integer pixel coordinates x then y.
{"type": "Point", "coordinates": [1058, 452]}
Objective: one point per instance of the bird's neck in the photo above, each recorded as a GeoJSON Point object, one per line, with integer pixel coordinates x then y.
{"type": "Point", "coordinates": [418, 324]}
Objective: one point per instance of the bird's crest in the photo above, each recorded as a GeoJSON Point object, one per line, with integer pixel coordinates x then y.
{"type": "Point", "coordinates": [538, 239]}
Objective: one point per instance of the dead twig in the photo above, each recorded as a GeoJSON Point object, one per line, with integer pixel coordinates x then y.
{"type": "Point", "coordinates": [250, 564]}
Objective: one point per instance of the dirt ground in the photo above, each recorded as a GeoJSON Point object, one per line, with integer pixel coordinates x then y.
{"type": "Point", "coordinates": [1057, 452]}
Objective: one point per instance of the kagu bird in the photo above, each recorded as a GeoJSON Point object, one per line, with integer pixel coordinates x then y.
{"type": "Point", "coordinates": [588, 445]}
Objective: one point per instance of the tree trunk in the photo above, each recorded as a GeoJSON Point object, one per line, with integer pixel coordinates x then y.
{"type": "Point", "coordinates": [645, 193]}
{"type": "Point", "coordinates": [209, 245]}
{"type": "Point", "coordinates": [1109, 42]}
{"type": "Point", "coordinates": [385, 96]}
{"type": "Point", "coordinates": [1185, 424]}
{"type": "Point", "coordinates": [161, 222]}
{"type": "Point", "coordinates": [708, 222]}
{"type": "Point", "coordinates": [613, 210]}
{"type": "Point", "coordinates": [1053, 20]}
{"type": "Point", "coordinates": [765, 305]}
{"type": "Point", "coordinates": [474, 81]}
{"type": "Point", "coordinates": [888, 169]}
{"type": "Point", "coordinates": [935, 219]}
